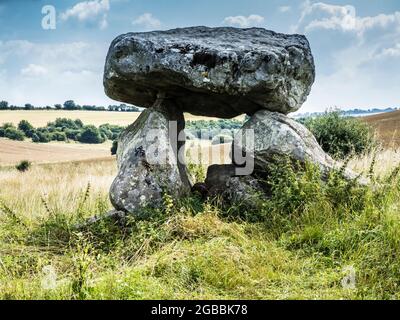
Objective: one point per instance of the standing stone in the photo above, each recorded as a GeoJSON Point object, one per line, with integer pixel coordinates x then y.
{"type": "Point", "coordinates": [147, 161]}
{"type": "Point", "coordinates": [277, 136]}
{"type": "Point", "coordinates": [216, 72]}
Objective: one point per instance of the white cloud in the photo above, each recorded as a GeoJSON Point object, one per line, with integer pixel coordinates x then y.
{"type": "Point", "coordinates": [34, 70]}
{"type": "Point", "coordinates": [148, 21]}
{"type": "Point", "coordinates": [69, 71]}
{"type": "Point", "coordinates": [244, 22]}
{"type": "Point", "coordinates": [344, 18]}
{"type": "Point", "coordinates": [360, 66]}
{"type": "Point", "coordinates": [390, 52]}
{"type": "Point", "coordinates": [284, 9]}
{"type": "Point", "coordinates": [95, 10]}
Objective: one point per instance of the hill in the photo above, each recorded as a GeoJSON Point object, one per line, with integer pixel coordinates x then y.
{"type": "Point", "coordinates": [387, 126]}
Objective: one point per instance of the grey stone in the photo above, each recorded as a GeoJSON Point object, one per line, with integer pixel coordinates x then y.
{"type": "Point", "coordinates": [275, 136]}
{"type": "Point", "coordinates": [244, 190]}
{"type": "Point", "coordinates": [217, 177]}
{"type": "Point", "coordinates": [147, 161]}
{"type": "Point", "coordinates": [221, 72]}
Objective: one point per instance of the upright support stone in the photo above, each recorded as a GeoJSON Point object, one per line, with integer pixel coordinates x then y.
{"type": "Point", "coordinates": [148, 162]}
{"type": "Point", "coordinates": [277, 136]}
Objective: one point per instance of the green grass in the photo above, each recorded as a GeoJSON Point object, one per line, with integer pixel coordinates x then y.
{"type": "Point", "coordinates": [296, 245]}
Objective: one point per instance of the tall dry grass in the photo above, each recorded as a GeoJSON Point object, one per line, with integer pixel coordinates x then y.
{"type": "Point", "coordinates": [60, 185]}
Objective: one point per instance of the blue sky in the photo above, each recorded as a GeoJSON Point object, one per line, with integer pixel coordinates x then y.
{"type": "Point", "coordinates": [356, 44]}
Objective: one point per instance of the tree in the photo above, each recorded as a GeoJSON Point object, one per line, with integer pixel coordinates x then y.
{"type": "Point", "coordinates": [58, 106]}
{"type": "Point", "coordinates": [3, 105]}
{"type": "Point", "coordinates": [70, 105]}
{"type": "Point", "coordinates": [28, 106]}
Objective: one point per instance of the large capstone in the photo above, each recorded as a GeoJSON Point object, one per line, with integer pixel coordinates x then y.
{"type": "Point", "coordinates": [221, 72]}
{"type": "Point", "coordinates": [148, 165]}
{"type": "Point", "coordinates": [277, 136]}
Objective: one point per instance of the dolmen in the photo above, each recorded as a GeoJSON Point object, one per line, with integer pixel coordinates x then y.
{"type": "Point", "coordinates": [215, 72]}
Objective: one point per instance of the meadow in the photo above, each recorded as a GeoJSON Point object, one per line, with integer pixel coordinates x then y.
{"type": "Point", "coordinates": [191, 249]}
{"type": "Point", "coordinates": [310, 240]}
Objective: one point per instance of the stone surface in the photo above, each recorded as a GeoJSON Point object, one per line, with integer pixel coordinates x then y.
{"type": "Point", "coordinates": [147, 162]}
{"type": "Point", "coordinates": [243, 190]}
{"type": "Point", "coordinates": [277, 135]}
{"type": "Point", "coordinates": [217, 177]}
{"type": "Point", "coordinates": [221, 72]}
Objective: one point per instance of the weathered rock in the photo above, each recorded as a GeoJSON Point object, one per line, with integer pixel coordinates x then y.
{"type": "Point", "coordinates": [220, 72]}
{"type": "Point", "coordinates": [147, 161]}
{"type": "Point", "coordinates": [275, 136]}
{"type": "Point", "coordinates": [244, 191]}
{"type": "Point", "coordinates": [217, 177]}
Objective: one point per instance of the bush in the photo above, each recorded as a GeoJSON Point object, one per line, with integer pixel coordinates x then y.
{"type": "Point", "coordinates": [14, 134]}
{"type": "Point", "coordinates": [23, 166]}
{"type": "Point", "coordinates": [72, 134]}
{"type": "Point", "coordinates": [59, 136]}
{"type": "Point", "coordinates": [340, 136]}
{"type": "Point", "coordinates": [41, 136]}
{"type": "Point", "coordinates": [90, 134]}
{"type": "Point", "coordinates": [27, 128]}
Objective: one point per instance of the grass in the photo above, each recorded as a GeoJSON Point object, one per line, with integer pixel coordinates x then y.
{"type": "Point", "coordinates": [297, 245]}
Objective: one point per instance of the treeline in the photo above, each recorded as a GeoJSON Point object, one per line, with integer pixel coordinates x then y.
{"type": "Point", "coordinates": [61, 129]}
{"type": "Point", "coordinates": [209, 129]}
{"type": "Point", "coordinates": [70, 105]}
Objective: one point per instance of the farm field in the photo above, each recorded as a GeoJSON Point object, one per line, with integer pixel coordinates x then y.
{"type": "Point", "coordinates": [39, 118]}
{"type": "Point", "coordinates": [14, 151]}
{"type": "Point", "coordinates": [387, 126]}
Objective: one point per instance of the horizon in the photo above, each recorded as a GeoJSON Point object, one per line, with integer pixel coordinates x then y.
{"type": "Point", "coordinates": [356, 45]}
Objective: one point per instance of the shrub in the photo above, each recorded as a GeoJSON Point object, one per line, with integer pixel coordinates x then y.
{"type": "Point", "coordinates": [27, 128]}
{"type": "Point", "coordinates": [59, 136]}
{"type": "Point", "coordinates": [41, 136]}
{"type": "Point", "coordinates": [72, 134]}
{"type": "Point", "coordinates": [90, 134]}
{"type": "Point", "coordinates": [340, 136]}
{"type": "Point", "coordinates": [23, 166]}
{"type": "Point", "coordinates": [14, 134]}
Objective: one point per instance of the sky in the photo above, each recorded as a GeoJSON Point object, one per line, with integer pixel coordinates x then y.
{"type": "Point", "coordinates": [44, 61]}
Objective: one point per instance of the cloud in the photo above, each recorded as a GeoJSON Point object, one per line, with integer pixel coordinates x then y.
{"type": "Point", "coordinates": [244, 22]}
{"type": "Point", "coordinates": [89, 11]}
{"type": "Point", "coordinates": [148, 21]}
{"type": "Point", "coordinates": [344, 18]}
{"type": "Point", "coordinates": [391, 52]}
{"type": "Point", "coordinates": [357, 57]}
{"type": "Point", "coordinates": [284, 9]}
{"type": "Point", "coordinates": [34, 70]}
{"type": "Point", "coordinates": [70, 70]}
